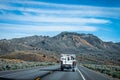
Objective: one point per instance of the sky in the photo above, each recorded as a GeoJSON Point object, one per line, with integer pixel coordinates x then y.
{"type": "Point", "coordinates": [21, 18]}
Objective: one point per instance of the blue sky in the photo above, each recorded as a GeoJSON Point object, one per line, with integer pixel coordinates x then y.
{"type": "Point", "coordinates": [20, 18]}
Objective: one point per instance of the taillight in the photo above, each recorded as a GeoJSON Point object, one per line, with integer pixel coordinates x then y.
{"type": "Point", "coordinates": [74, 62]}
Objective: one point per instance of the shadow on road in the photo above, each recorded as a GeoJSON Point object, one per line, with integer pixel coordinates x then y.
{"type": "Point", "coordinates": [66, 70]}
{"type": "Point", "coordinates": [5, 78]}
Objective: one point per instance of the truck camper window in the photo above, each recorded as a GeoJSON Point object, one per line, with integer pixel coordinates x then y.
{"type": "Point", "coordinates": [72, 58]}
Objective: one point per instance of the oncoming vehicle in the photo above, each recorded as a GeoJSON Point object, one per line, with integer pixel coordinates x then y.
{"type": "Point", "coordinates": [68, 61]}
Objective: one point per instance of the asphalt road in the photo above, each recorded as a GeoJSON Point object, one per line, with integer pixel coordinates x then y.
{"type": "Point", "coordinates": [29, 74]}
{"type": "Point", "coordinates": [82, 73]}
{"type": "Point", "coordinates": [53, 73]}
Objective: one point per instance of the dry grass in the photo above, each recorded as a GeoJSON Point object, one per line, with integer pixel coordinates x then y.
{"type": "Point", "coordinates": [113, 71]}
{"type": "Point", "coordinates": [29, 56]}
{"type": "Point", "coordinates": [13, 64]}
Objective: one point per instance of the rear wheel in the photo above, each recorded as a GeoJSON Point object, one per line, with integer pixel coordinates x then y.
{"type": "Point", "coordinates": [62, 69]}
{"type": "Point", "coordinates": [73, 70]}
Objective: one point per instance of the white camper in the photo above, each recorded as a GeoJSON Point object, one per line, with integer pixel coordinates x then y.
{"type": "Point", "coordinates": [68, 61]}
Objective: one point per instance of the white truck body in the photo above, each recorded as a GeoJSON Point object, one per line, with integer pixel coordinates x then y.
{"type": "Point", "coordinates": [68, 61]}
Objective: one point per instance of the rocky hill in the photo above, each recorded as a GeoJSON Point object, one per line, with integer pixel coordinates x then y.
{"type": "Point", "coordinates": [65, 42]}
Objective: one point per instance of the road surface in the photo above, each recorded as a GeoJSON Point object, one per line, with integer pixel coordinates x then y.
{"type": "Point", "coordinates": [53, 73]}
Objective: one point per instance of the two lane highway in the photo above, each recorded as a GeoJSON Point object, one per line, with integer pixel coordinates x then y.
{"type": "Point", "coordinates": [55, 73]}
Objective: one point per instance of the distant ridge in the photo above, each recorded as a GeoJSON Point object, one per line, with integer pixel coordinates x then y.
{"type": "Point", "coordinates": [65, 42]}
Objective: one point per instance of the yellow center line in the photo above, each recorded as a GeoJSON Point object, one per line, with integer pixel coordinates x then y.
{"type": "Point", "coordinates": [37, 78]}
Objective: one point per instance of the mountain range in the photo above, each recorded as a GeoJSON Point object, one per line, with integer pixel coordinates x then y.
{"type": "Point", "coordinates": [86, 45]}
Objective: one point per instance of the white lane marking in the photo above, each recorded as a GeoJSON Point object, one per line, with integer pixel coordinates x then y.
{"type": "Point", "coordinates": [81, 74]}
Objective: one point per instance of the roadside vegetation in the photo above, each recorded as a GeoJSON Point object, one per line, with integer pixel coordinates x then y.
{"type": "Point", "coordinates": [14, 64]}
{"type": "Point", "coordinates": [110, 70]}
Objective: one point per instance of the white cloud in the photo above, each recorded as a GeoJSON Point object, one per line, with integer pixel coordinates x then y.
{"type": "Point", "coordinates": [47, 28]}
{"type": "Point", "coordinates": [62, 9]}
{"type": "Point", "coordinates": [47, 18]}
{"type": "Point", "coordinates": [65, 13]}
{"type": "Point", "coordinates": [59, 14]}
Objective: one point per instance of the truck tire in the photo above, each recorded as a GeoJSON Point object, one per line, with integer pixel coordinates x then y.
{"type": "Point", "coordinates": [62, 69]}
{"type": "Point", "coordinates": [73, 70]}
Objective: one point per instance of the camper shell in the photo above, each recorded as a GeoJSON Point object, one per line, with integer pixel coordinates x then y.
{"type": "Point", "coordinates": [68, 61]}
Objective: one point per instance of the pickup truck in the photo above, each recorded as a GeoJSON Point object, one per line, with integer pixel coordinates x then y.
{"type": "Point", "coordinates": [68, 61]}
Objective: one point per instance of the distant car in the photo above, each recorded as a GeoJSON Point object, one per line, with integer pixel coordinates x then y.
{"type": "Point", "coordinates": [68, 61]}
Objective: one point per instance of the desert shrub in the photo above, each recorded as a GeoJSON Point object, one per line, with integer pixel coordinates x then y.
{"type": "Point", "coordinates": [6, 65]}
{"type": "Point", "coordinates": [113, 71]}
{"type": "Point", "coordinates": [116, 74]}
